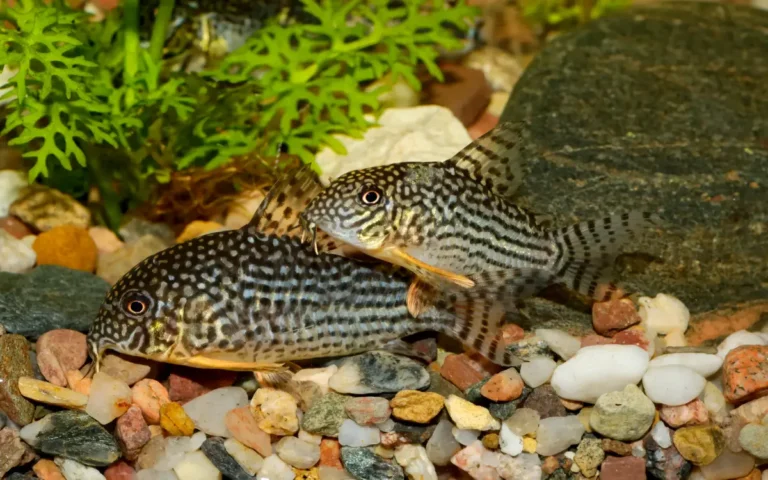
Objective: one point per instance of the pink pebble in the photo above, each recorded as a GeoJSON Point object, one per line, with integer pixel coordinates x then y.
{"type": "Point", "coordinates": [59, 351]}
{"type": "Point", "coordinates": [120, 471]}
{"type": "Point", "coordinates": [132, 432]}
{"type": "Point", "coordinates": [149, 395]}
{"type": "Point", "coordinates": [244, 427]}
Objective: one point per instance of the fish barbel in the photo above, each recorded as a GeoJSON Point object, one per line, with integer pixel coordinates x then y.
{"type": "Point", "coordinates": [452, 223]}
{"type": "Point", "coordinates": [247, 300]}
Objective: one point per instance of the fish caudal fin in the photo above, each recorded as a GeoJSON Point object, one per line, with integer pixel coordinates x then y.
{"type": "Point", "coordinates": [587, 251]}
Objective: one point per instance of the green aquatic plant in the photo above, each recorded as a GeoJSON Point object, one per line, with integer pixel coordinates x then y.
{"type": "Point", "coordinates": [90, 106]}
{"type": "Point", "coordinates": [562, 12]}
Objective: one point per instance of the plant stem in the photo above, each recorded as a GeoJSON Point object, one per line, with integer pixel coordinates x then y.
{"type": "Point", "coordinates": [160, 29]}
{"type": "Point", "coordinates": [131, 61]}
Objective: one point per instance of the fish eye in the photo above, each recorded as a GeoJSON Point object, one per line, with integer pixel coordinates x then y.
{"type": "Point", "coordinates": [136, 303]}
{"type": "Point", "coordinates": [370, 196]}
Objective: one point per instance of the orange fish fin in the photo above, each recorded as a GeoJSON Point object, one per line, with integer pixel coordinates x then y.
{"type": "Point", "coordinates": [430, 274]}
{"type": "Point", "coordinates": [222, 363]}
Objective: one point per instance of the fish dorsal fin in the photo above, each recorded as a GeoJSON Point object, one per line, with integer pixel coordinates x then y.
{"type": "Point", "coordinates": [494, 159]}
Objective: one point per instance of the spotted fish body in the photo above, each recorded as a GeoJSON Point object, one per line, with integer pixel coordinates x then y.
{"type": "Point", "coordinates": [455, 218]}
{"type": "Point", "coordinates": [241, 298]}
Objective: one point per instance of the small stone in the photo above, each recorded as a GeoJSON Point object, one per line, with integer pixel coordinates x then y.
{"type": "Point", "coordinates": [330, 453]}
{"type": "Point", "coordinates": [78, 382]}
{"type": "Point", "coordinates": [333, 473]}
{"type": "Point", "coordinates": [510, 442]}
{"type": "Point", "coordinates": [465, 437]}
{"type": "Point", "coordinates": [17, 229]}
{"type": "Point", "coordinates": [462, 371]}
{"type": "Point", "coordinates": [16, 256]}
{"type": "Point", "coordinates": [492, 441]}
{"type": "Point", "coordinates": [109, 398]}
{"type": "Point", "coordinates": [209, 411]}
{"type": "Point", "coordinates": [584, 416]}
{"type": "Point", "coordinates": [413, 458]}
{"type": "Point", "coordinates": [675, 338]}
{"type": "Point", "coordinates": [442, 445]}
{"type": "Point", "coordinates": [120, 471]}
{"type": "Point", "coordinates": [275, 411]}
{"type": "Point", "coordinates": [368, 410]}
{"type": "Point", "coordinates": [112, 266]}
{"type": "Point", "coordinates": [415, 406]}
{"type": "Point", "coordinates": [704, 364]}
{"type": "Point", "coordinates": [564, 345]}
{"type": "Point", "coordinates": [589, 456]}
{"type": "Point", "coordinates": [545, 401]}
{"type": "Point", "coordinates": [525, 466]}
{"type": "Point", "coordinates": [672, 384]}
{"type": "Point", "coordinates": [301, 454]}
{"type": "Point", "coordinates": [529, 445]}
{"type": "Point", "coordinates": [754, 439]}
{"type": "Point", "coordinates": [714, 401]}
{"type": "Point", "coordinates": [745, 375]}
{"type": "Point", "coordinates": [48, 470]}
{"type": "Point", "coordinates": [12, 183]}
{"type": "Point", "coordinates": [619, 448]}
{"type": "Point", "coordinates": [599, 369]}
{"type": "Point", "coordinates": [326, 415]}
{"type": "Point", "coordinates": [248, 459]}
{"type": "Point", "coordinates": [74, 435]}
{"type": "Point", "coordinates": [378, 372]}
{"type": "Point", "coordinates": [692, 413]}
{"type": "Point", "coordinates": [196, 466]}
{"type": "Point", "coordinates": [132, 433]}
{"type": "Point", "coordinates": [623, 468]}
{"type": "Point", "coordinates": [59, 351]}
{"type": "Point", "coordinates": [537, 371]}
{"type": "Point", "coordinates": [14, 364]}
{"type": "Point", "coordinates": [556, 434]}
{"type": "Point", "coordinates": [626, 415]}
{"type": "Point", "coordinates": [661, 435]}
{"type": "Point", "coordinates": [738, 339]}
{"type": "Point", "coordinates": [572, 405]}
{"type": "Point", "coordinates": [663, 313]}
{"type": "Point", "coordinates": [474, 458]}
{"type": "Point", "coordinates": [213, 448]}
{"type": "Point", "coordinates": [243, 426]}
{"type": "Point", "coordinates": [729, 465]}
{"type": "Point", "coordinates": [504, 386]}
{"type": "Point", "coordinates": [469, 416]}
{"type": "Point", "coordinates": [45, 208]}
{"type": "Point", "coordinates": [609, 318]}
{"type": "Point", "coordinates": [66, 246]}
{"type": "Point", "coordinates": [51, 394]}
{"type": "Point", "coordinates": [363, 464]}
{"type": "Point", "coordinates": [12, 450]}
{"type": "Point", "coordinates": [175, 420]}
{"type": "Point", "coordinates": [700, 444]}
{"type": "Point", "coordinates": [353, 435]}
{"type": "Point", "coordinates": [123, 370]}
{"type": "Point", "coordinates": [105, 239]}
{"type": "Point", "coordinates": [664, 463]}
{"type": "Point", "coordinates": [638, 336]}
{"type": "Point", "coordinates": [524, 421]}
{"type": "Point", "coordinates": [73, 470]}
{"type": "Point", "coordinates": [465, 92]}
{"type": "Point", "coordinates": [318, 376]}
{"type": "Point", "coordinates": [150, 395]}
{"type": "Point", "coordinates": [197, 228]}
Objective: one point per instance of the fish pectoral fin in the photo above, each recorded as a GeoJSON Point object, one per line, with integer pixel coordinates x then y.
{"type": "Point", "coordinates": [275, 378]}
{"type": "Point", "coordinates": [421, 296]}
{"type": "Point", "coordinates": [429, 273]}
{"type": "Point", "coordinates": [400, 347]}
{"type": "Point", "coordinates": [219, 363]}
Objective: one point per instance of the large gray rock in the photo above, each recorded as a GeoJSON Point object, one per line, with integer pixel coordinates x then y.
{"type": "Point", "coordinates": [662, 108]}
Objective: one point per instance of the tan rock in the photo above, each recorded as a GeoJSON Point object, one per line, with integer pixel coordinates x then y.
{"type": "Point", "coordinates": [51, 394]}
{"type": "Point", "coordinates": [415, 406]}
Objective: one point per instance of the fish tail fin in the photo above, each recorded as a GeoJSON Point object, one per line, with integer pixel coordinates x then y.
{"type": "Point", "coordinates": [586, 252]}
{"type": "Point", "coordinates": [477, 320]}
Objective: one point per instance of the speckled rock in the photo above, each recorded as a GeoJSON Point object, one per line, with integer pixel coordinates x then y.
{"type": "Point", "coordinates": [12, 450]}
{"type": "Point", "coordinates": [665, 463]}
{"type": "Point", "coordinates": [45, 208]}
{"type": "Point", "coordinates": [326, 415]}
{"type": "Point", "coordinates": [700, 444]}
{"type": "Point", "coordinates": [49, 297]}
{"type": "Point", "coordinates": [14, 364]}
{"type": "Point", "coordinates": [589, 456]}
{"type": "Point", "coordinates": [745, 373]}
{"type": "Point", "coordinates": [545, 401]}
{"type": "Point", "coordinates": [363, 464]}
{"type": "Point", "coordinates": [75, 435]}
{"type": "Point", "coordinates": [214, 449]}
{"type": "Point", "coordinates": [625, 415]}
{"type": "Point", "coordinates": [368, 410]}
{"type": "Point", "coordinates": [378, 372]}
{"type": "Point", "coordinates": [702, 162]}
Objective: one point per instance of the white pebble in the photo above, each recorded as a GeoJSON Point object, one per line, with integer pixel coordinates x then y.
{"type": "Point", "coordinates": [728, 465]}
{"type": "Point", "coordinates": [15, 255]}
{"type": "Point", "coordinates": [73, 470]}
{"type": "Point", "coordinates": [152, 474]}
{"type": "Point", "coordinates": [526, 466]}
{"type": "Point", "coordinates": [537, 371]}
{"type": "Point", "coordinates": [672, 384]}
{"type": "Point", "coordinates": [196, 466]}
{"type": "Point", "coordinates": [738, 339]}
{"type": "Point", "coordinates": [298, 453]}
{"type": "Point", "coordinates": [109, 398]}
{"type": "Point", "coordinates": [638, 450]}
{"type": "Point", "coordinates": [247, 458]}
{"type": "Point", "coordinates": [319, 376]}
{"type": "Point", "coordinates": [11, 184]}
{"type": "Point", "coordinates": [660, 434]}
{"type": "Point", "coordinates": [275, 469]}
{"type": "Point", "coordinates": [524, 421]}
{"type": "Point", "coordinates": [705, 364]}
{"type": "Point", "coordinates": [563, 344]}
{"type": "Point", "coordinates": [556, 434]}
{"type": "Point", "coordinates": [465, 437]}
{"type": "Point", "coordinates": [510, 442]}
{"type": "Point", "coordinates": [387, 425]}
{"type": "Point", "coordinates": [209, 410]}
{"type": "Point", "coordinates": [353, 435]}
{"type": "Point", "coordinates": [413, 458]}
{"type": "Point", "coordinates": [663, 313]}
{"type": "Point", "coordinates": [713, 399]}
{"type": "Point", "coordinates": [310, 437]}
{"type": "Point", "coordinates": [599, 369]}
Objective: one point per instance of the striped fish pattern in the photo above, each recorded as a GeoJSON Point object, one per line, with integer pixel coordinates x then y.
{"type": "Point", "coordinates": [453, 224]}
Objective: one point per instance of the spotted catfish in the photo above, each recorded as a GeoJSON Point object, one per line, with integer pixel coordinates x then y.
{"type": "Point", "coordinates": [252, 300]}
{"type": "Point", "coordinates": [453, 224]}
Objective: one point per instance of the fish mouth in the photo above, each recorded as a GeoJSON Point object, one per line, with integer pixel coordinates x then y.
{"type": "Point", "coordinates": [308, 228]}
